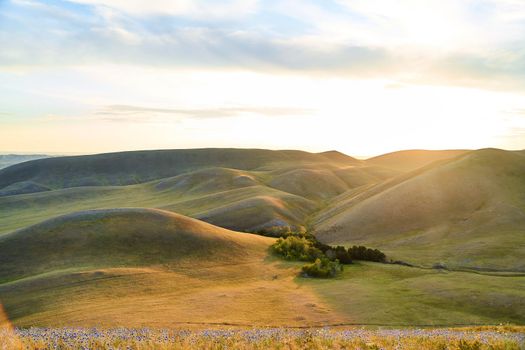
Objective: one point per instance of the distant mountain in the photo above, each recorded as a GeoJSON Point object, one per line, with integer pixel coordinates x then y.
{"type": "Point", "coordinates": [468, 211]}
{"type": "Point", "coordinates": [12, 159]}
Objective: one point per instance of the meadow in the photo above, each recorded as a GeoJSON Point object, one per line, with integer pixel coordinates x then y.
{"type": "Point", "coordinates": [263, 292]}
{"type": "Point", "coordinates": [119, 251]}
{"type": "Point", "coordinates": [498, 338]}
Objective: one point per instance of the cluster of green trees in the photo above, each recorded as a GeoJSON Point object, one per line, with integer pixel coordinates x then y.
{"type": "Point", "coordinates": [323, 268]}
{"type": "Point", "coordinates": [326, 260]}
{"type": "Point", "coordinates": [301, 247]}
{"type": "Point", "coordinates": [296, 248]}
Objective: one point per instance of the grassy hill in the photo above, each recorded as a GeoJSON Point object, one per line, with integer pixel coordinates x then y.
{"type": "Point", "coordinates": [69, 258]}
{"type": "Point", "coordinates": [143, 267]}
{"type": "Point", "coordinates": [280, 189]}
{"type": "Point", "coordinates": [118, 238]}
{"type": "Point", "coordinates": [126, 168]}
{"type": "Point", "coordinates": [222, 196]}
{"type": "Point", "coordinates": [465, 212]}
{"type": "Point", "coordinates": [413, 159]}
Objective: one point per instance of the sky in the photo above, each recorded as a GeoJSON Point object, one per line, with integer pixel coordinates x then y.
{"type": "Point", "coordinates": [364, 77]}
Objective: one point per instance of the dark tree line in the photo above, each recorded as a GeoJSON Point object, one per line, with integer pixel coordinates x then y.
{"type": "Point", "coordinates": [346, 256]}
{"type": "Point", "coordinates": [367, 254]}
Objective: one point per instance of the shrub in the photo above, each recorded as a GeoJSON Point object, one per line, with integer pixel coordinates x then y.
{"type": "Point", "coordinates": [323, 268]}
{"type": "Point", "coordinates": [296, 248]}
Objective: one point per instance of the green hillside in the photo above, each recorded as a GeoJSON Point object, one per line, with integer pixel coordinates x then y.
{"type": "Point", "coordinates": [118, 238]}
{"type": "Point", "coordinates": [250, 204]}
{"type": "Point", "coordinates": [143, 267]}
{"type": "Point", "coordinates": [138, 267]}
{"type": "Point", "coordinates": [141, 166]}
{"type": "Point", "coordinates": [465, 212]}
{"type": "Point", "coordinates": [69, 258]}
{"type": "Point", "coordinates": [282, 189]}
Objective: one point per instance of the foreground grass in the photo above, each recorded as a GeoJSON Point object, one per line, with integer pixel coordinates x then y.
{"type": "Point", "coordinates": [382, 294]}
{"type": "Point", "coordinates": [263, 292]}
{"type": "Point", "coordinates": [268, 338]}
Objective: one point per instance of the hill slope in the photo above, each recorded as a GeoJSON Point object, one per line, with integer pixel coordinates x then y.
{"type": "Point", "coordinates": [137, 267]}
{"type": "Point", "coordinates": [233, 199]}
{"type": "Point", "coordinates": [119, 237]}
{"type": "Point", "coordinates": [140, 166]}
{"type": "Point", "coordinates": [280, 189]}
{"type": "Point", "coordinates": [465, 212]}
{"type": "Point", "coordinates": [144, 267]}
{"type": "Point", "coordinates": [412, 159]}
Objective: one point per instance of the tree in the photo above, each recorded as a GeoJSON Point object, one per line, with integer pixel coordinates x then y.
{"type": "Point", "coordinates": [323, 268]}
{"type": "Point", "coordinates": [296, 248]}
{"type": "Point", "coordinates": [367, 254]}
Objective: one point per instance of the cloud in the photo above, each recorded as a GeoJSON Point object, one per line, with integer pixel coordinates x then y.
{"type": "Point", "coordinates": [482, 43]}
{"type": "Point", "coordinates": [149, 114]}
{"type": "Point", "coordinates": [191, 8]}
{"type": "Point", "coordinates": [518, 111]}
{"type": "Point", "coordinates": [502, 69]}
{"type": "Point", "coordinates": [443, 24]}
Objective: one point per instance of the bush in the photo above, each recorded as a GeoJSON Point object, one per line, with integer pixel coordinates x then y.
{"type": "Point", "coordinates": [323, 268]}
{"type": "Point", "coordinates": [296, 248]}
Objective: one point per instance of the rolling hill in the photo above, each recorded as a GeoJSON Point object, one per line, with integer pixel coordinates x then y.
{"type": "Point", "coordinates": [244, 190]}
{"type": "Point", "coordinates": [107, 240]}
{"type": "Point", "coordinates": [413, 159]}
{"type": "Point", "coordinates": [151, 268]}
{"type": "Point", "coordinates": [126, 168]}
{"type": "Point", "coordinates": [119, 238]}
{"type": "Point", "coordinates": [137, 267]}
{"type": "Point", "coordinates": [465, 212]}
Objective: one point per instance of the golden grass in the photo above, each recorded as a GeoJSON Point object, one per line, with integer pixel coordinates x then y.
{"type": "Point", "coordinates": [254, 339]}
{"type": "Point", "coordinates": [255, 292]}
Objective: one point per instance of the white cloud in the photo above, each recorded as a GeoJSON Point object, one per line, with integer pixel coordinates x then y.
{"type": "Point", "coordinates": [441, 26]}
{"type": "Point", "coordinates": [450, 42]}
{"type": "Point", "coordinates": [206, 9]}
